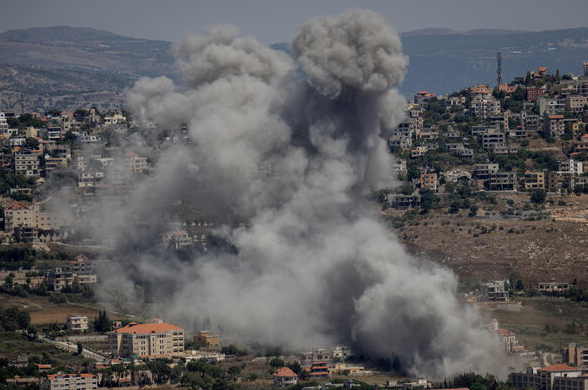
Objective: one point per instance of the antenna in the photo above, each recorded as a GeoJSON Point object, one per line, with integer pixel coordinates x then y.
{"type": "Point", "coordinates": [499, 70]}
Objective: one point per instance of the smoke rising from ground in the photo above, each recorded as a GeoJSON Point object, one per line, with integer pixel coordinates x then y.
{"type": "Point", "coordinates": [290, 148]}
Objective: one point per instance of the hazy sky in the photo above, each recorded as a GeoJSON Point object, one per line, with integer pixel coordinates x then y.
{"type": "Point", "coordinates": [277, 20]}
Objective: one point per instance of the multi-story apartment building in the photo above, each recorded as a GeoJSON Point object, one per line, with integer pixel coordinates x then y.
{"type": "Point", "coordinates": [496, 290]}
{"type": "Point", "coordinates": [534, 93]}
{"type": "Point", "coordinates": [534, 180]}
{"type": "Point", "coordinates": [20, 215]}
{"type": "Point", "coordinates": [58, 278]}
{"type": "Point", "coordinates": [576, 103]}
{"type": "Point", "coordinates": [555, 377]}
{"type": "Point", "coordinates": [554, 126]}
{"type": "Point", "coordinates": [135, 163]}
{"type": "Point", "coordinates": [146, 340]}
{"type": "Point", "coordinates": [69, 382]}
{"type": "Point", "coordinates": [484, 108]}
{"type": "Point", "coordinates": [575, 355]}
{"type": "Point", "coordinates": [207, 339]}
{"type": "Point", "coordinates": [502, 181]}
{"type": "Point", "coordinates": [26, 162]}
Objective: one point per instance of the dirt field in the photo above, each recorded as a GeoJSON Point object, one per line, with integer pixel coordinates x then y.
{"type": "Point", "coordinates": [492, 245]}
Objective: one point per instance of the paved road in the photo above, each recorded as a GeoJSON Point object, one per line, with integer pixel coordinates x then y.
{"type": "Point", "coordinates": [73, 347]}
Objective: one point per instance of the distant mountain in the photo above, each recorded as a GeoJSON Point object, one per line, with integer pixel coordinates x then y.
{"type": "Point", "coordinates": [441, 60]}
{"type": "Point", "coordinates": [86, 49]}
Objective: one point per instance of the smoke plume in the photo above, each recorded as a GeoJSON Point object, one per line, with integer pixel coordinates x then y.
{"type": "Point", "coordinates": [282, 154]}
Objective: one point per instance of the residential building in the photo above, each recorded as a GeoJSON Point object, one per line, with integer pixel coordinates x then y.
{"type": "Point", "coordinates": [419, 151]}
{"type": "Point", "coordinates": [582, 145]}
{"type": "Point", "coordinates": [176, 239]}
{"type": "Point", "coordinates": [496, 290]}
{"type": "Point", "coordinates": [319, 370]}
{"type": "Point", "coordinates": [135, 163]}
{"type": "Point", "coordinates": [69, 382]}
{"type": "Point", "coordinates": [571, 166]}
{"type": "Point", "coordinates": [342, 352]}
{"type": "Point", "coordinates": [401, 201]}
{"type": "Point", "coordinates": [575, 355]}
{"type": "Point", "coordinates": [576, 103]}
{"type": "Point", "coordinates": [347, 369]}
{"type": "Point", "coordinates": [20, 215]}
{"type": "Point", "coordinates": [483, 171]}
{"type": "Point", "coordinates": [146, 340]}
{"type": "Point", "coordinates": [207, 339]}
{"type": "Point", "coordinates": [428, 133]}
{"type": "Point", "coordinates": [480, 91]}
{"type": "Point", "coordinates": [423, 97]}
{"type": "Point", "coordinates": [26, 162]}
{"type": "Point", "coordinates": [77, 323]}
{"type": "Point", "coordinates": [554, 126]}
{"type": "Point", "coordinates": [399, 141]}
{"type": "Point", "coordinates": [484, 108]}
{"type": "Point", "coordinates": [492, 138]}
{"type": "Point", "coordinates": [501, 181]}
{"type": "Point", "coordinates": [209, 356]}
{"type": "Point", "coordinates": [58, 278]}
{"type": "Point", "coordinates": [3, 123]}
{"type": "Point", "coordinates": [534, 180]}
{"type": "Point", "coordinates": [285, 377]}
{"type": "Point", "coordinates": [551, 106]}
{"type": "Point", "coordinates": [555, 377]}
{"type": "Point", "coordinates": [553, 288]}
{"type": "Point", "coordinates": [534, 93]}
{"type": "Point", "coordinates": [427, 181]}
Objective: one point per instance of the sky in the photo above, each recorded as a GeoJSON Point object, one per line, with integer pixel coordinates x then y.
{"type": "Point", "coordinates": [277, 21]}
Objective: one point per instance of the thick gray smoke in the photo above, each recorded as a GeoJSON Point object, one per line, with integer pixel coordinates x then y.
{"type": "Point", "coordinates": [283, 152]}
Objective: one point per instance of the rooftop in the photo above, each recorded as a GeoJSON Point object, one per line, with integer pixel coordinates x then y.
{"type": "Point", "coordinates": [147, 328]}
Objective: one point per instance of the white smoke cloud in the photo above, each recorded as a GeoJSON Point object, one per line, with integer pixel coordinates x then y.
{"type": "Point", "coordinates": [293, 160]}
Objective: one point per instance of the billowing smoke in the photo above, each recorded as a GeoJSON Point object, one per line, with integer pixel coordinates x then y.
{"type": "Point", "coordinates": [282, 154]}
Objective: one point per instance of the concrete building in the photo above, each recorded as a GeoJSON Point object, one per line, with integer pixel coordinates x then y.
{"type": "Point", "coordinates": [576, 103]}
{"type": "Point", "coordinates": [69, 382]}
{"type": "Point", "coordinates": [484, 108]}
{"type": "Point", "coordinates": [146, 340]}
{"type": "Point", "coordinates": [575, 355]}
{"type": "Point", "coordinates": [555, 377]}
{"type": "Point", "coordinates": [495, 290]}
{"type": "Point", "coordinates": [19, 215]}
{"type": "Point", "coordinates": [58, 278]}
{"type": "Point", "coordinates": [554, 126]}
{"type": "Point", "coordinates": [77, 323]}
{"type": "Point", "coordinates": [553, 288]}
{"type": "Point", "coordinates": [285, 377]}
{"type": "Point", "coordinates": [483, 171]}
{"type": "Point", "coordinates": [534, 180]}
{"type": "Point", "coordinates": [402, 202]}
{"type": "Point", "coordinates": [26, 162]}
{"type": "Point", "coordinates": [207, 339]}
{"type": "Point", "coordinates": [501, 181]}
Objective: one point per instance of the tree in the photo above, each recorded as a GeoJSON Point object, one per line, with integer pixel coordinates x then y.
{"type": "Point", "coordinates": [538, 196]}
{"type": "Point", "coordinates": [80, 348]}
{"type": "Point", "coordinates": [276, 363]}
{"type": "Point", "coordinates": [160, 369]}
{"type": "Point", "coordinates": [31, 143]}
{"type": "Point", "coordinates": [102, 322]}
{"type": "Point", "coordinates": [234, 371]}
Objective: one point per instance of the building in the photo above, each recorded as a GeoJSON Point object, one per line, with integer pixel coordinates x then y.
{"type": "Point", "coordinates": [495, 291]}
{"type": "Point", "coordinates": [176, 239]}
{"type": "Point", "coordinates": [341, 352]}
{"type": "Point", "coordinates": [555, 377]}
{"type": "Point", "coordinates": [207, 339]}
{"type": "Point", "coordinates": [485, 108]}
{"type": "Point", "coordinates": [576, 103]}
{"type": "Point", "coordinates": [426, 181]}
{"type": "Point", "coordinates": [554, 126]}
{"type": "Point", "coordinates": [58, 278]}
{"type": "Point", "coordinates": [575, 355]}
{"type": "Point", "coordinates": [319, 370]}
{"type": "Point", "coordinates": [26, 162]}
{"type": "Point", "coordinates": [423, 97]}
{"type": "Point", "coordinates": [285, 377]}
{"type": "Point", "coordinates": [400, 201]}
{"type": "Point", "coordinates": [501, 181]}
{"type": "Point", "coordinates": [484, 171]}
{"type": "Point", "coordinates": [553, 288]}
{"type": "Point", "coordinates": [146, 340]}
{"type": "Point", "coordinates": [534, 93]}
{"type": "Point", "coordinates": [22, 216]}
{"type": "Point", "coordinates": [77, 323]}
{"type": "Point", "coordinates": [534, 180]}
{"type": "Point", "coordinates": [69, 382]}
{"type": "Point", "coordinates": [135, 163]}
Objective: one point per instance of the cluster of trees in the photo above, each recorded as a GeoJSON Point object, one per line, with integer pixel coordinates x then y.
{"type": "Point", "coordinates": [474, 381]}
{"type": "Point", "coordinates": [13, 318]}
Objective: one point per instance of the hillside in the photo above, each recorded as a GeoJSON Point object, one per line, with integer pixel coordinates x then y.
{"type": "Point", "coordinates": [86, 49]}
{"type": "Point", "coordinates": [62, 89]}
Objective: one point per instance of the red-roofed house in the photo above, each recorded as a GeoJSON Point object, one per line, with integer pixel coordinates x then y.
{"type": "Point", "coordinates": [161, 339]}
{"type": "Point", "coordinates": [285, 377]}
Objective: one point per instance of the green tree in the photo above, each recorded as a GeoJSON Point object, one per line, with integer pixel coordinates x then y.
{"type": "Point", "coordinates": [276, 363]}
{"type": "Point", "coordinates": [234, 371]}
{"type": "Point", "coordinates": [160, 369]}
{"type": "Point", "coordinates": [80, 348]}
{"type": "Point", "coordinates": [31, 143]}
{"type": "Point", "coordinates": [538, 196]}
{"type": "Point", "coordinates": [102, 322]}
